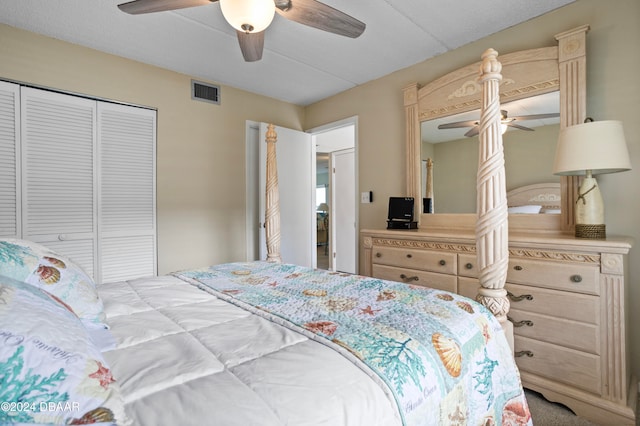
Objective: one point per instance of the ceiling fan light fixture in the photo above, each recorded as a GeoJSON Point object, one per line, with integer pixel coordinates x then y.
{"type": "Point", "coordinates": [249, 16]}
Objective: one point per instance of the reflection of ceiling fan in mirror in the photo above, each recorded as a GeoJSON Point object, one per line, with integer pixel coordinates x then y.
{"type": "Point", "coordinates": [250, 18]}
{"type": "Point", "coordinates": [506, 122]}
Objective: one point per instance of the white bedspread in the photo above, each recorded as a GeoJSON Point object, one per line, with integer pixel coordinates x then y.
{"type": "Point", "coordinates": [184, 357]}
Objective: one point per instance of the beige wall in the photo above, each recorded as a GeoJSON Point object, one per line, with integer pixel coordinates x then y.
{"type": "Point", "coordinates": [200, 146]}
{"type": "Point", "coordinates": [613, 93]}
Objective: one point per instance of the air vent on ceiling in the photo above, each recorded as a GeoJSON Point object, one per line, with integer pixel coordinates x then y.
{"type": "Point", "coordinates": [205, 92]}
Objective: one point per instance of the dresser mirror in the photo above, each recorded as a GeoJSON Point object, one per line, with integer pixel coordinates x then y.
{"type": "Point", "coordinates": [536, 81]}
{"type": "Point", "coordinates": [529, 147]}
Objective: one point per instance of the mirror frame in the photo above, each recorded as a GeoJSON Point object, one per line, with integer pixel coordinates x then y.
{"type": "Point", "coordinates": [526, 73]}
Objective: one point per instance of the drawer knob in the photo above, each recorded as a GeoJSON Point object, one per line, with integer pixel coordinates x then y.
{"type": "Point", "coordinates": [378, 254]}
{"type": "Point", "coordinates": [442, 262]}
{"type": "Point", "coordinates": [407, 279]}
{"type": "Point", "coordinates": [515, 298]}
{"type": "Point", "coordinates": [523, 353]}
{"type": "Point", "coordinates": [518, 268]}
{"type": "Point", "coordinates": [409, 255]}
{"type": "Point", "coordinates": [528, 323]}
{"type": "Point", "coordinates": [469, 266]}
{"type": "Point", "coordinates": [62, 237]}
{"type": "Point", "coordinates": [576, 278]}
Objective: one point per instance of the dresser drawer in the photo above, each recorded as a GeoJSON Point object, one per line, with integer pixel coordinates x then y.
{"type": "Point", "coordinates": [426, 260]}
{"type": "Point", "coordinates": [571, 306]}
{"type": "Point", "coordinates": [414, 277]}
{"type": "Point", "coordinates": [560, 364]}
{"type": "Point", "coordinates": [571, 334]}
{"type": "Point", "coordinates": [561, 276]}
{"type": "Point", "coordinates": [468, 265]}
{"type": "Point", "coordinates": [468, 287]}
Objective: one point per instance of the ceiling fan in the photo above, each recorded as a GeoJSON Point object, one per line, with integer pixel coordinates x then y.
{"type": "Point", "coordinates": [250, 18]}
{"type": "Point", "coordinates": [505, 120]}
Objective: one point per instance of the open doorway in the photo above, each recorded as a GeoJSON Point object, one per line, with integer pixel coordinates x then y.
{"type": "Point", "coordinates": [322, 211]}
{"type": "Point", "coordinates": [336, 196]}
{"type": "Point", "coordinates": [338, 232]}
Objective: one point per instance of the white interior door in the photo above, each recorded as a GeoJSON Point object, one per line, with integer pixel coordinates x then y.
{"type": "Point", "coordinates": [344, 232]}
{"type": "Point", "coordinates": [296, 181]}
{"type": "Point", "coordinates": [58, 164]}
{"type": "Point", "coordinates": [10, 220]}
{"type": "Point", "coordinates": [126, 192]}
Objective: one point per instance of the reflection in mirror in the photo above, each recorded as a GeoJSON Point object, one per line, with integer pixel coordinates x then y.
{"type": "Point", "coordinates": [529, 154]}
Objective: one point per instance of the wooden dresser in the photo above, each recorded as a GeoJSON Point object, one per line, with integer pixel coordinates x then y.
{"type": "Point", "coordinates": [567, 300]}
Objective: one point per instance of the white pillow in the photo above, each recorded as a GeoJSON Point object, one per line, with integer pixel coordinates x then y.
{"type": "Point", "coordinates": [531, 209]}
{"type": "Point", "coordinates": [548, 210]}
{"type": "Point", "coordinates": [50, 370]}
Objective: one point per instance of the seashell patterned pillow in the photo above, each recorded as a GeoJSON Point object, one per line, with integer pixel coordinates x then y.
{"type": "Point", "coordinates": [54, 273]}
{"type": "Point", "coordinates": [52, 372]}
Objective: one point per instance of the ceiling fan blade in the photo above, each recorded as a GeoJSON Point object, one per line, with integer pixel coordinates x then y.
{"type": "Point", "coordinates": [251, 45]}
{"type": "Point", "coordinates": [473, 132]}
{"type": "Point", "coordinates": [320, 16]}
{"type": "Point", "coordinates": [517, 126]}
{"type": "Point", "coordinates": [536, 116]}
{"type": "Point", "coordinates": [137, 7]}
{"type": "Point", "coordinates": [458, 124]}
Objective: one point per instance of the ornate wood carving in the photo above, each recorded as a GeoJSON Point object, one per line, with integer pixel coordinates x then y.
{"type": "Point", "coordinates": [367, 242]}
{"type": "Point", "coordinates": [492, 228]}
{"type": "Point", "coordinates": [558, 256]}
{"type": "Point", "coordinates": [612, 264]}
{"type": "Point", "coordinates": [272, 213]}
{"type": "Point", "coordinates": [530, 72]}
{"type": "Point", "coordinates": [471, 88]}
{"type": "Point", "coordinates": [390, 242]}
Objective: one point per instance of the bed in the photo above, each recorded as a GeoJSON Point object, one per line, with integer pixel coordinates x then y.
{"type": "Point", "coordinates": [258, 343]}
{"type": "Point", "coordinates": [538, 198]}
{"type": "Point", "coordinates": [189, 349]}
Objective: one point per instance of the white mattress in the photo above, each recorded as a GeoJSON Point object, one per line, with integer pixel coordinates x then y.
{"type": "Point", "coordinates": [184, 357]}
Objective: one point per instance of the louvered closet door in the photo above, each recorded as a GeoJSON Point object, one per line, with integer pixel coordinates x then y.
{"type": "Point", "coordinates": [9, 160]}
{"type": "Point", "coordinates": [127, 220]}
{"type": "Point", "coordinates": [58, 145]}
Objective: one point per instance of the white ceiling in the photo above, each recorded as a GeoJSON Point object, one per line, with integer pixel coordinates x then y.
{"type": "Point", "coordinates": [300, 65]}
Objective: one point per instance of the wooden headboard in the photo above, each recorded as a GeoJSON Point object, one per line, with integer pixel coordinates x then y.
{"type": "Point", "coordinates": [546, 195]}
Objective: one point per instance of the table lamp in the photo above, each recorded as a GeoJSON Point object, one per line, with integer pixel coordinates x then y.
{"type": "Point", "coordinates": [588, 149]}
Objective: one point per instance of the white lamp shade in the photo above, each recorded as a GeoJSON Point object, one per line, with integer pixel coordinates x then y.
{"type": "Point", "coordinates": [598, 146]}
{"type": "Point", "coordinates": [248, 15]}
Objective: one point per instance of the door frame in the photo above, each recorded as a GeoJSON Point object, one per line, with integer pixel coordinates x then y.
{"type": "Point", "coordinates": [350, 121]}
{"type": "Point", "coordinates": [251, 174]}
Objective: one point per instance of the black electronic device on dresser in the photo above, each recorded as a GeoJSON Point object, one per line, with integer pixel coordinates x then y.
{"type": "Point", "coordinates": [401, 213]}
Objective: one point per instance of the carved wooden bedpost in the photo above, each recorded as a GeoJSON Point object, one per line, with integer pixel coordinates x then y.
{"type": "Point", "coordinates": [429, 205]}
{"type": "Point", "coordinates": [272, 210]}
{"type": "Point", "coordinates": [492, 228]}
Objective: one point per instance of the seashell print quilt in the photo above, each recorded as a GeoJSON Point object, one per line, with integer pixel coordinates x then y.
{"type": "Point", "coordinates": [442, 357]}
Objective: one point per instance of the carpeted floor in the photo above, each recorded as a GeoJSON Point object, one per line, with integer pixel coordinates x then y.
{"type": "Point", "coordinates": [545, 413]}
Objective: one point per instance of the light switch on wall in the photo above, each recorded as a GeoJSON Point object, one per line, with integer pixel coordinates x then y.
{"type": "Point", "coordinates": [366, 197]}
